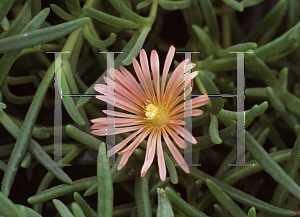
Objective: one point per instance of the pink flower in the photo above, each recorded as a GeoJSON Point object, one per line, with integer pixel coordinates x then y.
{"type": "Point", "coordinates": [149, 111]}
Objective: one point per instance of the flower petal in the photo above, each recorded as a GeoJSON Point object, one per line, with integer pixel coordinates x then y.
{"type": "Point", "coordinates": [113, 125]}
{"type": "Point", "coordinates": [183, 88]}
{"type": "Point", "coordinates": [129, 85]}
{"type": "Point", "coordinates": [105, 120]}
{"type": "Point", "coordinates": [184, 133]}
{"type": "Point", "coordinates": [104, 131]}
{"type": "Point", "coordinates": [121, 91]}
{"type": "Point", "coordinates": [131, 147]}
{"type": "Point", "coordinates": [154, 61]}
{"type": "Point", "coordinates": [195, 112]}
{"type": "Point", "coordinates": [180, 122]}
{"type": "Point", "coordinates": [141, 77]}
{"type": "Point", "coordinates": [121, 114]}
{"type": "Point", "coordinates": [166, 69]}
{"type": "Point", "coordinates": [179, 141]}
{"type": "Point", "coordinates": [146, 71]}
{"type": "Point", "coordinates": [134, 83]}
{"type": "Point", "coordinates": [150, 152]}
{"type": "Point", "coordinates": [161, 159]}
{"type": "Point", "coordinates": [176, 75]}
{"type": "Point", "coordinates": [177, 79]}
{"type": "Point", "coordinates": [174, 151]}
{"type": "Point", "coordinates": [196, 102]}
{"type": "Point", "coordinates": [118, 102]}
{"type": "Point", "coordinates": [119, 146]}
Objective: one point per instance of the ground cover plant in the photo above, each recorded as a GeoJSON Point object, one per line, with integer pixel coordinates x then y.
{"type": "Point", "coordinates": [56, 108]}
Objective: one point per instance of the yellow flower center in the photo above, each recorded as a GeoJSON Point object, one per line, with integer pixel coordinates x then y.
{"type": "Point", "coordinates": [151, 111]}
{"type": "Point", "coordinates": [157, 116]}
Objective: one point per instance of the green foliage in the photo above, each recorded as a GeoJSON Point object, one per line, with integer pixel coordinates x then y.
{"type": "Point", "coordinates": [85, 31]}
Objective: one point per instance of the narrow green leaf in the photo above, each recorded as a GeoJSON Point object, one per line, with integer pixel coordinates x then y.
{"type": "Point", "coordinates": [280, 44]}
{"type": "Point", "coordinates": [7, 207]}
{"type": "Point", "coordinates": [240, 196]}
{"type": "Point", "coordinates": [183, 206]}
{"type": "Point", "coordinates": [256, 92]}
{"type": "Point", "coordinates": [159, 184]}
{"type": "Point", "coordinates": [129, 14]}
{"type": "Point", "coordinates": [292, 13]}
{"type": "Point", "coordinates": [124, 209]}
{"type": "Point", "coordinates": [270, 21]}
{"type": "Point", "coordinates": [291, 102]}
{"type": "Point", "coordinates": [105, 186]}
{"type": "Point", "coordinates": [174, 5]}
{"type": "Point", "coordinates": [26, 211]}
{"type": "Point", "coordinates": [252, 212]}
{"type": "Point", "coordinates": [210, 19]}
{"type": "Point", "coordinates": [193, 189]}
{"type": "Point", "coordinates": [274, 134]}
{"type": "Point", "coordinates": [19, 22]}
{"type": "Point", "coordinates": [5, 24]}
{"type": "Point", "coordinates": [143, 4]}
{"type": "Point", "coordinates": [83, 137]}
{"type": "Point", "coordinates": [25, 134]}
{"type": "Point", "coordinates": [193, 14]}
{"type": "Point", "coordinates": [61, 190]}
{"type": "Point", "coordinates": [255, 65]}
{"type": "Point", "coordinates": [283, 78]}
{"type": "Point", "coordinates": [69, 101]}
{"type": "Point", "coordinates": [280, 108]}
{"type": "Point", "coordinates": [214, 129]}
{"type": "Point", "coordinates": [4, 9]}
{"type": "Point", "coordinates": [22, 80]}
{"type": "Point", "coordinates": [2, 106]}
{"type": "Point", "coordinates": [88, 211]}
{"type": "Point", "coordinates": [206, 142]}
{"type": "Point", "coordinates": [91, 190]}
{"type": "Point", "coordinates": [263, 136]}
{"type": "Point", "coordinates": [77, 210]}
{"type": "Point", "coordinates": [277, 18]}
{"type": "Point", "coordinates": [291, 168]}
{"type": "Point", "coordinates": [224, 199]}
{"type": "Point", "coordinates": [44, 184]}
{"type": "Point", "coordinates": [35, 7]}
{"type": "Point", "coordinates": [230, 131]}
{"type": "Point", "coordinates": [61, 13]}
{"type": "Point", "coordinates": [118, 61]}
{"type": "Point", "coordinates": [62, 209]}
{"type": "Point", "coordinates": [96, 42]}
{"type": "Point", "coordinates": [2, 165]}
{"type": "Point", "coordinates": [26, 161]}
{"type": "Point", "coordinates": [171, 168]}
{"type": "Point", "coordinates": [164, 208]}
{"type": "Point", "coordinates": [250, 3]}
{"type": "Point", "coordinates": [74, 7]}
{"type": "Point", "coordinates": [138, 46]}
{"type": "Point", "coordinates": [208, 45]}
{"type": "Point", "coordinates": [18, 100]}
{"type": "Point", "coordinates": [270, 166]}
{"type": "Point", "coordinates": [217, 103]}
{"type": "Point", "coordinates": [117, 176]}
{"type": "Point", "coordinates": [40, 36]}
{"type": "Point", "coordinates": [224, 64]}
{"type": "Point", "coordinates": [234, 4]}
{"type": "Point", "coordinates": [8, 59]}
{"type": "Point", "coordinates": [254, 112]}
{"type": "Point", "coordinates": [35, 149]}
{"type": "Point", "coordinates": [219, 210]}
{"type": "Point", "coordinates": [142, 196]}
{"type": "Point", "coordinates": [243, 47]}
{"type": "Point", "coordinates": [109, 19]}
